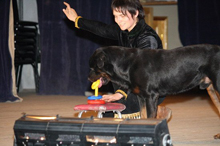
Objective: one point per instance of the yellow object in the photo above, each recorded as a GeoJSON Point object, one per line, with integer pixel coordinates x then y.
{"type": "Point", "coordinates": [76, 21]}
{"type": "Point", "coordinates": [122, 92]}
{"type": "Point", "coordinates": [95, 86]}
{"type": "Point", "coordinates": [136, 115]}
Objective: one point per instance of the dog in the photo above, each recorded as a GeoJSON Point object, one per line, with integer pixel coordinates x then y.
{"type": "Point", "coordinates": [151, 73]}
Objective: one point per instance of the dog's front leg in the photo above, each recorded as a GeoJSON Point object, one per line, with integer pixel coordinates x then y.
{"type": "Point", "coordinates": [151, 104]}
{"type": "Point", "coordinates": [148, 107]}
{"type": "Point", "coordinates": [143, 109]}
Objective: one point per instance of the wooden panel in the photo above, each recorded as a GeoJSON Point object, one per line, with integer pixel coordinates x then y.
{"type": "Point", "coordinates": [157, 2]}
{"type": "Point", "coordinates": [148, 15]}
{"type": "Point", "coordinates": [160, 26]}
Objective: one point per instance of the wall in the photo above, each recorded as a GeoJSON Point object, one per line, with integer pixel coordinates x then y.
{"type": "Point", "coordinates": [171, 12]}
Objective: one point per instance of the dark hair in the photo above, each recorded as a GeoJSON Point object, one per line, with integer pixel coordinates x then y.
{"type": "Point", "coordinates": [128, 5]}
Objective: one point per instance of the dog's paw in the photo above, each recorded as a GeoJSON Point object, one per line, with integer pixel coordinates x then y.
{"type": "Point", "coordinates": [217, 136]}
{"type": "Point", "coordinates": [164, 113]}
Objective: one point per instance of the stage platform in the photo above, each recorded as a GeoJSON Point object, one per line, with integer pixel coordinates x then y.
{"type": "Point", "coordinates": [194, 120]}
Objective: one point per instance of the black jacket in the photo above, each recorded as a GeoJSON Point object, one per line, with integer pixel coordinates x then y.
{"type": "Point", "coordinates": [141, 36]}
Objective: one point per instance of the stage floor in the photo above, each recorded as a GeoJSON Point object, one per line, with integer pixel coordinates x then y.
{"type": "Point", "coordinates": [194, 120]}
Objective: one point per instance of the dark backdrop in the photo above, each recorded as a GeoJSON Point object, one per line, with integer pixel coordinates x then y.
{"type": "Point", "coordinates": [199, 21]}
{"type": "Point", "coordinates": [66, 49]}
{"type": "Point", "coordinates": [5, 57]}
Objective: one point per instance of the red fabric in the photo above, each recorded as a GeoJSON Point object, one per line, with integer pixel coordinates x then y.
{"type": "Point", "coordinates": [102, 107]}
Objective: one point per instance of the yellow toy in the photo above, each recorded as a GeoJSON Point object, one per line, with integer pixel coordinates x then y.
{"type": "Point", "coordinates": [95, 99]}
{"type": "Point", "coordinates": [95, 86]}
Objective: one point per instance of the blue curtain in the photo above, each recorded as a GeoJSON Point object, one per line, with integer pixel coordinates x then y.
{"type": "Point", "coordinates": [66, 49]}
{"type": "Point", "coordinates": [5, 57]}
{"type": "Point", "coordinates": [199, 21]}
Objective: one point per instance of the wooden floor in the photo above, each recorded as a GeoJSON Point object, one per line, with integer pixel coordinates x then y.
{"type": "Point", "coordinates": [194, 118]}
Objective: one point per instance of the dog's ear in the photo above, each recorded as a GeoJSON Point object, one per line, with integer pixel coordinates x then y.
{"type": "Point", "coordinates": [101, 61]}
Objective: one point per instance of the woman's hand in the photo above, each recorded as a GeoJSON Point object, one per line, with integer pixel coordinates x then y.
{"type": "Point", "coordinates": [70, 12]}
{"type": "Point", "coordinates": [112, 97]}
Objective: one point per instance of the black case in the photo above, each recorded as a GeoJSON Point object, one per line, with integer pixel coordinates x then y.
{"type": "Point", "coordinates": [35, 130]}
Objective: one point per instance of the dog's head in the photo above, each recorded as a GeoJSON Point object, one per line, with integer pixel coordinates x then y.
{"type": "Point", "coordinates": [100, 67]}
{"type": "Point", "coordinates": [111, 63]}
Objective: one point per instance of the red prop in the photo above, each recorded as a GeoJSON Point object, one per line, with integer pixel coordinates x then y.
{"type": "Point", "coordinates": [96, 107]}
{"type": "Point", "coordinates": [95, 101]}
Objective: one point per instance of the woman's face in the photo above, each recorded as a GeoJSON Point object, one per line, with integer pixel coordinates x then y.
{"type": "Point", "coordinates": [125, 22]}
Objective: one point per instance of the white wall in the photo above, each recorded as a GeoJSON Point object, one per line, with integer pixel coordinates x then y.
{"type": "Point", "coordinates": [171, 12]}
{"type": "Point", "coordinates": [30, 10]}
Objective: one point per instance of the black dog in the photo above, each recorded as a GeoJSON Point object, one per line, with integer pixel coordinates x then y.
{"type": "Point", "coordinates": [152, 73]}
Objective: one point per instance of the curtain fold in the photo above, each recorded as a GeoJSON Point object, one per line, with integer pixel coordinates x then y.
{"type": "Point", "coordinates": [7, 86]}
{"type": "Point", "coordinates": [199, 21]}
{"type": "Point", "coordinates": [65, 49]}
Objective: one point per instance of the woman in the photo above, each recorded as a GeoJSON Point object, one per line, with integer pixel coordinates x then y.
{"type": "Point", "coordinates": [131, 31]}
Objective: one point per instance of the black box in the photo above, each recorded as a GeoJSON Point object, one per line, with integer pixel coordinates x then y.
{"type": "Point", "coordinates": [34, 130]}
